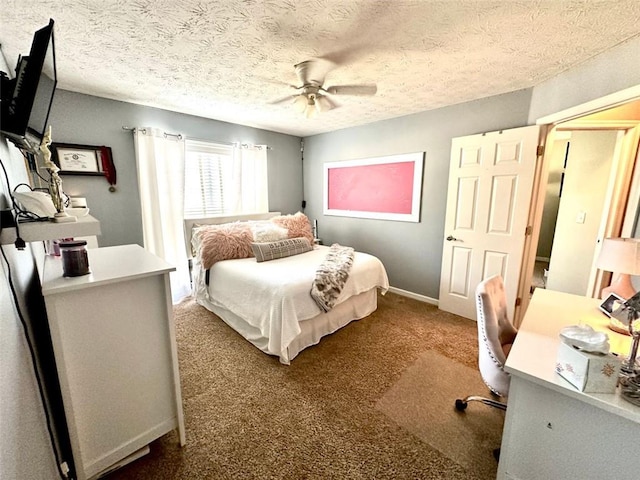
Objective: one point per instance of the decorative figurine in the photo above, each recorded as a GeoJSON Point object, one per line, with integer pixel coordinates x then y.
{"type": "Point", "coordinates": [55, 183]}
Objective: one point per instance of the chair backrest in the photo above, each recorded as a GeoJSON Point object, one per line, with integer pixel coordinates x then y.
{"type": "Point", "coordinates": [494, 330]}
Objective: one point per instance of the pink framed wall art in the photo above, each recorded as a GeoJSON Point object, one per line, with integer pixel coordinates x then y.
{"type": "Point", "coordinates": [385, 188]}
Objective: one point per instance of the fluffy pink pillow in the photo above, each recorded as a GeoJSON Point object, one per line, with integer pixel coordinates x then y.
{"type": "Point", "coordinates": [297, 224]}
{"type": "Point", "coordinates": [224, 242]}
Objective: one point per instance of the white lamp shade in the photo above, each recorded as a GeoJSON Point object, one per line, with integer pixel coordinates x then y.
{"type": "Point", "coordinates": [620, 255]}
{"type": "Point", "coordinates": [310, 112]}
{"type": "Point", "coordinates": [300, 103]}
{"type": "Point", "coordinates": [322, 104]}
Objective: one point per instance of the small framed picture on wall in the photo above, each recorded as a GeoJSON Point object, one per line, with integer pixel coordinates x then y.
{"type": "Point", "coordinates": [78, 159]}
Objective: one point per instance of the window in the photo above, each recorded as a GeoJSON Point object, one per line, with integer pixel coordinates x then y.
{"type": "Point", "coordinates": [224, 179]}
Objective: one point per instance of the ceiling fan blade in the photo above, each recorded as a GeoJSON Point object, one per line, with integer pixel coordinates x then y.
{"type": "Point", "coordinates": [287, 99]}
{"type": "Point", "coordinates": [352, 89]}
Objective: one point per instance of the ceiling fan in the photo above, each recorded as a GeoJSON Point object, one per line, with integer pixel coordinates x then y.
{"type": "Point", "coordinates": [312, 97]}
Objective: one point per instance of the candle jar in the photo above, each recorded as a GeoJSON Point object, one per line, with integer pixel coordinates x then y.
{"type": "Point", "coordinates": [75, 261]}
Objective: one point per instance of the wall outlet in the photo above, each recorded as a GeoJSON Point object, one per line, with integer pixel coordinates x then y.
{"type": "Point", "coordinates": [581, 216]}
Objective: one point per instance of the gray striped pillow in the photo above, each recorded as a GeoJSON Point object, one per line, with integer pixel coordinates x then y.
{"type": "Point", "coordinates": [280, 249]}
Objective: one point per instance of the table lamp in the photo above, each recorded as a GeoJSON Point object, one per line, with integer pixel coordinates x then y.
{"type": "Point", "coordinates": [621, 256]}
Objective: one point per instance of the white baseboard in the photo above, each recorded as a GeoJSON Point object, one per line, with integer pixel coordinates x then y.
{"type": "Point", "coordinates": [415, 296]}
{"type": "Point", "coordinates": [543, 259]}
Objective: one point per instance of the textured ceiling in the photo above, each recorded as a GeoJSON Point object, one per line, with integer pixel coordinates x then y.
{"type": "Point", "coordinates": [228, 59]}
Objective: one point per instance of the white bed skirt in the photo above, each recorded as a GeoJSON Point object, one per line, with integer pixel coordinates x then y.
{"type": "Point", "coordinates": [312, 330]}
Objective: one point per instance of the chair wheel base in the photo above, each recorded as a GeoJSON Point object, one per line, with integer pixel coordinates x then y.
{"type": "Point", "coordinates": [461, 405]}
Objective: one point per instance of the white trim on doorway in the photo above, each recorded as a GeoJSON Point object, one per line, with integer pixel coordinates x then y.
{"type": "Point", "coordinates": [602, 103]}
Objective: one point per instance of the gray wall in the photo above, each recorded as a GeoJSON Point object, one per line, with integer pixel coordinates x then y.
{"type": "Point", "coordinates": [26, 449]}
{"type": "Point", "coordinates": [411, 252]}
{"type": "Point", "coordinates": [615, 70]}
{"type": "Point", "coordinates": [88, 120]}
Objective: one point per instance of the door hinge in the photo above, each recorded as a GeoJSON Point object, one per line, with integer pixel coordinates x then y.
{"type": "Point", "coordinates": [528, 231]}
{"type": "Point", "coordinates": [518, 301]}
{"type": "Point", "coordinates": [540, 150]}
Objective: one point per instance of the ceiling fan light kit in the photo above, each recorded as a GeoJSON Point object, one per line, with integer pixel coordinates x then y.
{"type": "Point", "coordinates": [322, 104]}
{"type": "Point", "coordinates": [311, 111]}
{"type": "Point", "coordinates": [300, 103]}
{"type": "Point", "coordinates": [311, 104]}
{"type": "Point", "coordinates": [313, 98]}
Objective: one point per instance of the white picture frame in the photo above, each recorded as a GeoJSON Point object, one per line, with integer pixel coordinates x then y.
{"type": "Point", "coordinates": [610, 304]}
{"type": "Point", "coordinates": [382, 188]}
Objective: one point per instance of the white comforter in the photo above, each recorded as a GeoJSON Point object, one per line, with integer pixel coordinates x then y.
{"type": "Point", "coordinates": [274, 296]}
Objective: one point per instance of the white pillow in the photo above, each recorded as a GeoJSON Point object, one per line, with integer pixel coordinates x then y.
{"type": "Point", "coordinates": [264, 232]}
{"type": "Point", "coordinates": [36, 202]}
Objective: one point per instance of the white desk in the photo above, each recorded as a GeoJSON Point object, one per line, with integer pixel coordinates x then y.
{"type": "Point", "coordinates": [553, 431]}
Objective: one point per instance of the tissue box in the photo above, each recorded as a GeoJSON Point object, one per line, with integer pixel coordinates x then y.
{"type": "Point", "coordinates": [588, 372]}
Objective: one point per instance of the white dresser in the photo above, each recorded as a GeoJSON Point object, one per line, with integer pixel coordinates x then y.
{"type": "Point", "coordinates": [115, 349]}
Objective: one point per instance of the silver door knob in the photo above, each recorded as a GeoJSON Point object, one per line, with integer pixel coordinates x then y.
{"type": "Point", "coordinates": [451, 239]}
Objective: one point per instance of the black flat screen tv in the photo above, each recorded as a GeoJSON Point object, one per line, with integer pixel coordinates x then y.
{"type": "Point", "coordinates": [27, 97]}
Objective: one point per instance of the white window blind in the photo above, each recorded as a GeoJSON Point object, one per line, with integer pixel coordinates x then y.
{"type": "Point", "coordinates": [224, 180]}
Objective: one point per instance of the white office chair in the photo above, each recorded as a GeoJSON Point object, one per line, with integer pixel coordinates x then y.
{"type": "Point", "coordinates": [496, 334]}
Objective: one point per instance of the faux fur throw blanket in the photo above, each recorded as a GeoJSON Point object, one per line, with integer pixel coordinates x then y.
{"type": "Point", "coordinates": [331, 276]}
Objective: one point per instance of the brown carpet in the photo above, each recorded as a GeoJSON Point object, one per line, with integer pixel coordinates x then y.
{"type": "Point", "coordinates": [328, 414]}
{"type": "Point", "coordinates": [420, 402]}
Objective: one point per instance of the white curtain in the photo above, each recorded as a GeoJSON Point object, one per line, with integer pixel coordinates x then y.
{"type": "Point", "coordinates": [160, 164]}
{"type": "Point", "coordinates": [251, 192]}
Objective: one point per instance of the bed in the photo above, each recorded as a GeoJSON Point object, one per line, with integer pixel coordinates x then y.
{"type": "Point", "coordinates": [269, 302]}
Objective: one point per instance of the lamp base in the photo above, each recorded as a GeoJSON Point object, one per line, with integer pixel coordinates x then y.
{"type": "Point", "coordinates": [63, 217]}
{"type": "Point", "coordinates": [618, 327]}
{"type": "Point", "coordinates": [621, 286]}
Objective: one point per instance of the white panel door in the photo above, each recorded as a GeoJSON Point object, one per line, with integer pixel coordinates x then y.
{"type": "Point", "coordinates": [490, 186]}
